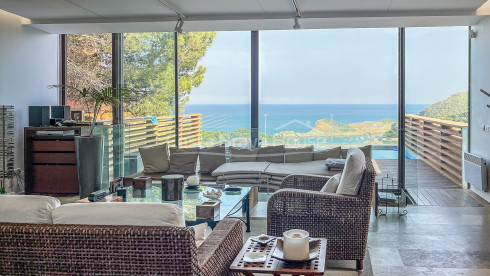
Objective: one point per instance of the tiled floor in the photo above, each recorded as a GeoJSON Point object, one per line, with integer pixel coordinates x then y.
{"type": "Point", "coordinates": [431, 241]}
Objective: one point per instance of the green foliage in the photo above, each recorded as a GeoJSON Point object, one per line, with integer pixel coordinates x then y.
{"type": "Point", "coordinates": [454, 108]}
{"type": "Point", "coordinates": [149, 66]}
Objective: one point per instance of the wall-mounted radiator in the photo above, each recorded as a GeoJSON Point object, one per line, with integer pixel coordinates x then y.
{"type": "Point", "coordinates": [475, 171]}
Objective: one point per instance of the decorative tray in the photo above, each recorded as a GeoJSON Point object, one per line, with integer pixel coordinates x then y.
{"type": "Point", "coordinates": [263, 239]}
{"type": "Point", "coordinates": [314, 251]}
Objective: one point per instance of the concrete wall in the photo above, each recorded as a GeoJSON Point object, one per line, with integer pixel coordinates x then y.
{"type": "Point", "coordinates": [480, 79]}
{"type": "Point", "coordinates": [28, 63]}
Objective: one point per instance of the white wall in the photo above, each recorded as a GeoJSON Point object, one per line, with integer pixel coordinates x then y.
{"type": "Point", "coordinates": [28, 63]}
{"type": "Point", "coordinates": [480, 79]}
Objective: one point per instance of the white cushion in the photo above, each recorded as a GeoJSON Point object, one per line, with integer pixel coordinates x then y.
{"type": "Point", "coordinates": [27, 208]}
{"type": "Point", "coordinates": [120, 213]}
{"type": "Point", "coordinates": [355, 165]}
{"type": "Point", "coordinates": [332, 184]}
{"type": "Point", "coordinates": [200, 233]}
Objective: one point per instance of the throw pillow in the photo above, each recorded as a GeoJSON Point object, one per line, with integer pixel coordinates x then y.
{"type": "Point", "coordinates": [155, 159]}
{"type": "Point", "coordinates": [365, 149]}
{"type": "Point", "coordinates": [332, 184]}
{"type": "Point", "coordinates": [243, 154]}
{"type": "Point", "coordinates": [27, 208]}
{"type": "Point", "coordinates": [211, 158]}
{"type": "Point", "coordinates": [274, 154]}
{"type": "Point", "coordinates": [183, 161]}
{"type": "Point", "coordinates": [296, 155]}
{"type": "Point", "coordinates": [355, 165]}
{"type": "Point", "coordinates": [328, 153]}
{"type": "Point", "coordinates": [200, 233]}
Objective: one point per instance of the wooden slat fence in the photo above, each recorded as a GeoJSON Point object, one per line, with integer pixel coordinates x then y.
{"type": "Point", "coordinates": [438, 143]}
{"type": "Point", "coordinates": [142, 132]}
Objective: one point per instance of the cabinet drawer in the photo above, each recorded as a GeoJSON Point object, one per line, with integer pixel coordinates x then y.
{"type": "Point", "coordinates": [55, 179]}
{"type": "Point", "coordinates": [53, 145]}
{"type": "Point", "coordinates": [54, 158]}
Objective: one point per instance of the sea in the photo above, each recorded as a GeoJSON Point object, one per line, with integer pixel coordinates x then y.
{"type": "Point", "coordinates": [275, 118]}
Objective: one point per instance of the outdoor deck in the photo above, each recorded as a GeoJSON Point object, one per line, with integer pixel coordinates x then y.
{"type": "Point", "coordinates": [428, 186]}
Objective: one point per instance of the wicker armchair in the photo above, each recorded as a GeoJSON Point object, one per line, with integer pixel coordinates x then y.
{"type": "Point", "coordinates": [41, 249]}
{"type": "Point", "coordinates": [342, 220]}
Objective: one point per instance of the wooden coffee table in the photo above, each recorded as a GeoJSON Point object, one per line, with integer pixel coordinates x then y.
{"type": "Point", "coordinates": [275, 266]}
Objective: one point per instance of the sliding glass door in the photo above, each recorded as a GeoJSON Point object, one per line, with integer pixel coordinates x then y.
{"type": "Point", "coordinates": [436, 110]}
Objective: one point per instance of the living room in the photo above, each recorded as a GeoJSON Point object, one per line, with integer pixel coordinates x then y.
{"type": "Point", "coordinates": [231, 117]}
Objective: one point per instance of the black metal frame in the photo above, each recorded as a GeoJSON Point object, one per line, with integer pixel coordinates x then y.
{"type": "Point", "coordinates": [176, 87]}
{"type": "Point", "coordinates": [63, 46]}
{"type": "Point", "coordinates": [254, 96]}
{"type": "Point", "coordinates": [401, 108]}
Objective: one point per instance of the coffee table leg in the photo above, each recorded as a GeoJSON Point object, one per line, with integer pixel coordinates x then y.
{"type": "Point", "coordinates": [247, 202]}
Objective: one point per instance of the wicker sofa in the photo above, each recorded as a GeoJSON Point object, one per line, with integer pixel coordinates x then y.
{"type": "Point", "coordinates": [44, 249]}
{"type": "Point", "coordinates": [342, 219]}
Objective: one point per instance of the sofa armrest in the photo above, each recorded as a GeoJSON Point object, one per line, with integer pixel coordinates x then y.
{"type": "Point", "coordinates": [305, 182]}
{"type": "Point", "coordinates": [294, 208]}
{"type": "Point", "coordinates": [220, 248]}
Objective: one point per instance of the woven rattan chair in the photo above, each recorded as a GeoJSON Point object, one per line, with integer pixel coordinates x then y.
{"type": "Point", "coordinates": [37, 249]}
{"type": "Point", "coordinates": [342, 220]}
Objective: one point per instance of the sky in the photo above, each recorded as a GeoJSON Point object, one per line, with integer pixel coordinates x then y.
{"type": "Point", "coordinates": [336, 66]}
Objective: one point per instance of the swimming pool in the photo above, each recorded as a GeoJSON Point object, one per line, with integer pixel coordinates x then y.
{"type": "Point", "coordinates": [390, 154]}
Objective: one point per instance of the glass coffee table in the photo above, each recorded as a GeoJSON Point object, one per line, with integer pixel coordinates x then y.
{"type": "Point", "coordinates": [230, 202]}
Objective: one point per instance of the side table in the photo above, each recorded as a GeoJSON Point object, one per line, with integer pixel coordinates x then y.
{"type": "Point", "coordinates": [275, 266]}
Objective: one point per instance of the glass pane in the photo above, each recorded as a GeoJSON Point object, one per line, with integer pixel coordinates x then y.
{"type": "Point", "coordinates": [149, 116]}
{"type": "Point", "coordinates": [318, 87]}
{"type": "Point", "coordinates": [214, 88]}
{"type": "Point", "coordinates": [89, 65]}
{"type": "Point", "coordinates": [436, 108]}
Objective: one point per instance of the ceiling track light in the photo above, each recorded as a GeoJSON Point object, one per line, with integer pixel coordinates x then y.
{"type": "Point", "coordinates": [296, 25]}
{"type": "Point", "coordinates": [178, 26]}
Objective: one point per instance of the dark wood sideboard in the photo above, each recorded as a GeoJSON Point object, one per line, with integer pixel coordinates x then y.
{"type": "Point", "coordinates": [50, 161]}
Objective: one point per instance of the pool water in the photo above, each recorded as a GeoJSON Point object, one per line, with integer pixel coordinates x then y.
{"type": "Point", "coordinates": [390, 154]}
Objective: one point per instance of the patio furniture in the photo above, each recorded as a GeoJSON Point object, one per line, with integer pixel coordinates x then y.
{"type": "Point", "coordinates": [47, 249]}
{"type": "Point", "coordinates": [275, 266]}
{"type": "Point", "coordinates": [342, 219]}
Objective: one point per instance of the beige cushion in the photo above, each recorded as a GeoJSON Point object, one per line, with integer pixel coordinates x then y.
{"type": "Point", "coordinates": [365, 149]}
{"type": "Point", "coordinates": [155, 159]}
{"type": "Point", "coordinates": [332, 184]}
{"type": "Point", "coordinates": [243, 154]}
{"type": "Point", "coordinates": [296, 155]}
{"type": "Point", "coordinates": [328, 153]}
{"type": "Point", "coordinates": [27, 208]}
{"type": "Point", "coordinates": [211, 158]}
{"type": "Point", "coordinates": [183, 161]}
{"type": "Point", "coordinates": [200, 233]}
{"type": "Point", "coordinates": [274, 154]}
{"type": "Point", "coordinates": [120, 213]}
{"type": "Point", "coordinates": [355, 165]}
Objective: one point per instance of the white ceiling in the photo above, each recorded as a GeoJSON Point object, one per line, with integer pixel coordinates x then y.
{"type": "Point", "coordinates": [74, 16]}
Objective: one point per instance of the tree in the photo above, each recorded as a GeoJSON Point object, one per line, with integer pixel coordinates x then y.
{"type": "Point", "coordinates": [148, 67]}
{"type": "Point", "coordinates": [89, 64]}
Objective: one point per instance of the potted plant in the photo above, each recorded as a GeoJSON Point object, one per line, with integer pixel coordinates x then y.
{"type": "Point", "coordinates": [90, 149]}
